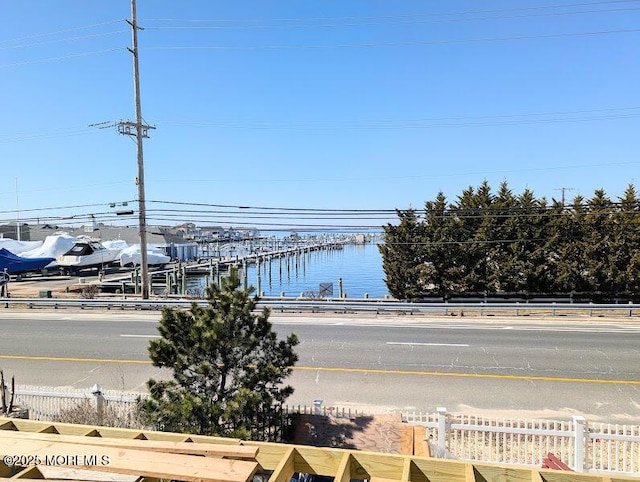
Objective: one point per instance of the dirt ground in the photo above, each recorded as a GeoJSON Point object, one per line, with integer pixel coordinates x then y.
{"type": "Point", "coordinates": [378, 433]}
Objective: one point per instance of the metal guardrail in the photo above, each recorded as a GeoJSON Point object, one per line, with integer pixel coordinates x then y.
{"type": "Point", "coordinates": [342, 306]}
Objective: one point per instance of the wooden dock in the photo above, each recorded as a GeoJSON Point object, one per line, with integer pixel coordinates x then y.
{"type": "Point", "coordinates": [172, 279]}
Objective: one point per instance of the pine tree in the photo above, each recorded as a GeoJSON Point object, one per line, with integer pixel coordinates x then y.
{"type": "Point", "coordinates": [506, 214]}
{"type": "Point", "coordinates": [627, 243]}
{"type": "Point", "coordinates": [571, 263]}
{"type": "Point", "coordinates": [442, 271]}
{"type": "Point", "coordinates": [228, 366]}
{"type": "Point", "coordinates": [403, 257]}
{"type": "Point", "coordinates": [598, 244]}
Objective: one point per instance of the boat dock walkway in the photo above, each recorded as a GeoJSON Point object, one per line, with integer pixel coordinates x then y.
{"type": "Point", "coordinates": [172, 279]}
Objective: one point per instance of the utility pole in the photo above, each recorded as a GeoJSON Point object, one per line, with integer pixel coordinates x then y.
{"type": "Point", "coordinates": [18, 236]}
{"type": "Point", "coordinates": [562, 190]}
{"type": "Point", "coordinates": [140, 132]}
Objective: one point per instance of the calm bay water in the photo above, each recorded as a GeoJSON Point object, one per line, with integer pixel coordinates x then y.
{"type": "Point", "coordinates": [359, 266]}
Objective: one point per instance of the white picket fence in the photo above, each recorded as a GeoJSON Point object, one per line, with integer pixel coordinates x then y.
{"type": "Point", "coordinates": [589, 447]}
{"type": "Point", "coordinates": [595, 447]}
{"type": "Point", "coordinates": [49, 403]}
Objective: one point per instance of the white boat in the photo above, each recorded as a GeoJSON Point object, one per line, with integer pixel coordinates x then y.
{"type": "Point", "coordinates": [131, 256]}
{"type": "Point", "coordinates": [87, 253]}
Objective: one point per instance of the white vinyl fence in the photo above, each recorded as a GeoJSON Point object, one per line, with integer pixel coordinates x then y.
{"type": "Point", "coordinates": [589, 447]}
{"type": "Point", "coordinates": [49, 404]}
{"type": "Point", "coordinates": [595, 447]}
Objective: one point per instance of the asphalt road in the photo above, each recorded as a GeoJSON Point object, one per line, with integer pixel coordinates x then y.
{"type": "Point", "coordinates": [511, 367]}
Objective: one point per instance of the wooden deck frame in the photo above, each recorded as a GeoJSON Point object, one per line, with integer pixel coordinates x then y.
{"type": "Point", "coordinates": [280, 459]}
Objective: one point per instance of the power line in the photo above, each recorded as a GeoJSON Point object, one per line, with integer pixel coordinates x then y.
{"type": "Point", "coordinates": [55, 208]}
{"type": "Point", "coordinates": [614, 113]}
{"type": "Point", "coordinates": [58, 32]}
{"type": "Point", "coordinates": [377, 24]}
{"type": "Point", "coordinates": [424, 123]}
{"type": "Point", "coordinates": [63, 57]}
{"type": "Point", "coordinates": [214, 215]}
{"type": "Point", "coordinates": [70, 39]}
{"type": "Point", "coordinates": [423, 43]}
{"type": "Point", "coordinates": [270, 208]}
{"type": "Point", "coordinates": [411, 15]}
{"type": "Point", "coordinates": [614, 208]}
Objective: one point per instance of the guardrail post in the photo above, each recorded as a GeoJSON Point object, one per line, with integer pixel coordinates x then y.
{"type": "Point", "coordinates": [630, 309]}
{"type": "Point", "coordinates": [590, 309]}
{"type": "Point", "coordinates": [579, 431]}
{"type": "Point", "coordinates": [442, 430]}
{"type": "Point", "coordinates": [553, 310]}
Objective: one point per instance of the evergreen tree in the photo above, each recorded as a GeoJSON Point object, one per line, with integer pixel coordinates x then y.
{"type": "Point", "coordinates": [515, 244]}
{"type": "Point", "coordinates": [571, 263]}
{"type": "Point", "coordinates": [626, 250]}
{"type": "Point", "coordinates": [442, 270]}
{"type": "Point", "coordinates": [228, 366]}
{"type": "Point", "coordinates": [506, 213]}
{"type": "Point", "coordinates": [403, 258]}
{"type": "Point", "coordinates": [557, 237]}
{"type": "Point", "coordinates": [476, 229]}
{"type": "Point", "coordinates": [470, 252]}
{"type": "Point", "coordinates": [530, 255]}
{"type": "Point", "coordinates": [598, 243]}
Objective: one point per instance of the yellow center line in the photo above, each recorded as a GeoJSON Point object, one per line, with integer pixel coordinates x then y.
{"type": "Point", "coordinates": [73, 359]}
{"type": "Point", "coordinates": [467, 375]}
{"type": "Point", "coordinates": [347, 370]}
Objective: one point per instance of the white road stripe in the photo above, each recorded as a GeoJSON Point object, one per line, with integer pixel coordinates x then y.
{"type": "Point", "coordinates": [425, 344]}
{"type": "Point", "coordinates": [140, 336]}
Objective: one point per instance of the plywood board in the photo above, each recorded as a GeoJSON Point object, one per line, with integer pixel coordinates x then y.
{"type": "Point", "coordinates": [191, 448]}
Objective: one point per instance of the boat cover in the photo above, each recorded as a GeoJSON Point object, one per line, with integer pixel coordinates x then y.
{"type": "Point", "coordinates": [15, 264]}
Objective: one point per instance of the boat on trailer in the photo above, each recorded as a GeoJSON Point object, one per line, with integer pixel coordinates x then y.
{"type": "Point", "coordinates": [86, 254]}
{"type": "Point", "coordinates": [11, 263]}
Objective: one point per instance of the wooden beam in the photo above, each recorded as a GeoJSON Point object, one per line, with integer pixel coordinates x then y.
{"type": "Point", "coordinates": [388, 467]}
{"type": "Point", "coordinates": [441, 470]}
{"type": "Point", "coordinates": [135, 462]}
{"type": "Point", "coordinates": [106, 432]}
{"type": "Point", "coordinates": [4, 479]}
{"type": "Point", "coordinates": [416, 475]}
{"type": "Point", "coordinates": [285, 468]}
{"type": "Point", "coordinates": [469, 472]}
{"type": "Point", "coordinates": [148, 466]}
{"type": "Point", "coordinates": [420, 445]}
{"type": "Point", "coordinates": [318, 461]}
{"type": "Point", "coordinates": [502, 472]}
{"type": "Point", "coordinates": [190, 448]}
{"type": "Point", "coordinates": [29, 473]}
{"type": "Point", "coordinates": [269, 454]}
{"type": "Point", "coordinates": [66, 473]}
{"type": "Point", "coordinates": [406, 470]}
{"type": "Point", "coordinates": [7, 424]}
{"type": "Point", "coordinates": [382, 479]}
{"type": "Point", "coordinates": [343, 472]}
{"type": "Point", "coordinates": [549, 475]}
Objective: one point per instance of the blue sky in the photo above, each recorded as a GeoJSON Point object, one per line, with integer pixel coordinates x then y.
{"type": "Point", "coordinates": [359, 104]}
